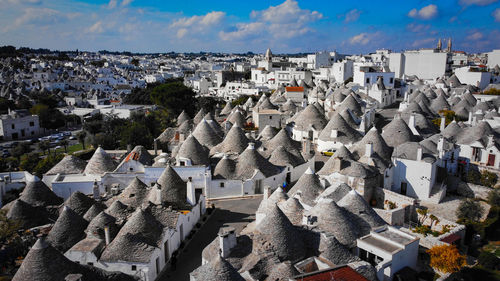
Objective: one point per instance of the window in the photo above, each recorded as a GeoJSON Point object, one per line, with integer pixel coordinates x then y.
{"type": "Point", "coordinates": [13, 126]}
{"type": "Point", "coordinates": [90, 263]}
{"type": "Point", "coordinates": [221, 184]}
{"type": "Point", "coordinates": [134, 267]}
{"type": "Point", "coordinates": [270, 117]}
{"type": "Point", "coordinates": [391, 80]}
{"type": "Point", "coordinates": [368, 80]}
{"type": "Point", "coordinates": [131, 169]}
{"type": "Point", "coordinates": [32, 124]}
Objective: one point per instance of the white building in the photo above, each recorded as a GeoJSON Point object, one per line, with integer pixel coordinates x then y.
{"type": "Point", "coordinates": [473, 76]}
{"type": "Point", "coordinates": [14, 126]}
{"type": "Point", "coordinates": [494, 58]}
{"type": "Point", "coordinates": [366, 76]}
{"type": "Point", "coordinates": [426, 64]}
{"type": "Point", "coordinates": [389, 250]}
{"type": "Point", "coordinates": [342, 71]}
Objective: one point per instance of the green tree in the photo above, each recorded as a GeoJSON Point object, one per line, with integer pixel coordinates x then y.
{"type": "Point", "coordinates": [8, 227]}
{"type": "Point", "coordinates": [494, 197]}
{"type": "Point", "coordinates": [43, 146]}
{"type": "Point", "coordinates": [174, 97]}
{"type": "Point", "coordinates": [20, 149]}
{"type": "Point", "coordinates": [29, 162]}
{"type": "Point", "coordinates": [65, 144]}
{"type": "Point", "coordinates": [136, 134]}
{"type": "Point", "coordinates": [470, 210]}
{"type": "Point", "coordinates": [93, 127]}
{"type": "Point", "coordinates": [488, 178]}
{"type": "Point", "coordinates": [81, 138]}
{"type": "Point", "coordinates": [45, 164]}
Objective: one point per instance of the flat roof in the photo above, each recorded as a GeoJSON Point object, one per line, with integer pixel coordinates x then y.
{"type": "Point", "coordinates": [380, 244]}
{"type": "Point", "coordinates": [396, 237]}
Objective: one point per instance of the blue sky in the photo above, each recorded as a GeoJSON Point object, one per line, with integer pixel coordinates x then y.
{"type": "Point", "coordinates": [355, 26]}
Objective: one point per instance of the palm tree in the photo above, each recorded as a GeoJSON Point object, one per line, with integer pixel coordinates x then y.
{"type": "Point", "coordinates": [81, 138]}
{"type": "Point", "coordinates": [44, 145]}
{"type": "Point", "coordinates": [65, 144]}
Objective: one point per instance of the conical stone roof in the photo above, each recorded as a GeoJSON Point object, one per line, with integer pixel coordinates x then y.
{"type": "Point", "coordinates": [235, 142]}
{"type": "Point", "coordinates": [68, 165]}
{"type": "Point", "coordinates": [173, 190]}
{"type": "Point", "coordinates": [206, 135]}
{"type": "Point", "coordinates": [79, 203]}
{"type": "Point", "coordinates": [397, 132]}
{"type": "Point", "coordinates": [100, 163]}
{"type": "Point", "coordinates": [68, 230]}
{"type": "Point", "coordinates": [36, 193]}
{"type": "Point", "coordinates": [192, 149]}
{"type": "Point", "coordinates": [308, 187]}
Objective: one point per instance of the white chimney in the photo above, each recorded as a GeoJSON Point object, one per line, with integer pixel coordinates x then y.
{"type": "Point", "coordinates": [251, 146]}
{"type": "Point", "coordinates": [227, 241]}
{"type": "Point", "coordinates": [443, 124]}
{"type": "Point", "coordinates": [267, 192]}
{"type": "Point", "coordinates": [334, 133]}
{"type": "Point", "coordinates": [406, 97]}
{"type": "Point", "coordinates": [419, 154]}
{"type": "Point", "coordinates": [440, 146]}
{"type": "Point", "coordinates": [369, 149]}
{"type": "Point", "coordinates": [411, 124]}
{"type": "Point", "coordinates": [191, 194]}
{"type": "Point", "coordinates": [106, 235]}
{"type": "Point", "coordinates": [470, 118]}
{"type": "Point", "coordinates": [96, 191]}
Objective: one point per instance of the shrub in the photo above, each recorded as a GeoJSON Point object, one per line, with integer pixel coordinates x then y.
{"type": "Point", "coordinates": [488, 260]}
{"type": "Point", "coordinates": [488, 178]}
{"type": "Point", "coordinates": [446, 258]}
{"type": "Point", "coordinates": [494, 197]}
{"type": "Point", "coordinates": [470, 210]}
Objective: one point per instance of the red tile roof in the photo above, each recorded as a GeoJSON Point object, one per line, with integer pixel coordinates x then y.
{"type": "Point", "coordinates": [451, 238]}
{"type": "Point", "coordinates": [343, 273]}
{"type": "Point", "coordinates": [294, 89]}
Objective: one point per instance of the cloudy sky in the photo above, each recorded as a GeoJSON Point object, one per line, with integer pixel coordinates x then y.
{"type": "Point", "coordinates": [352, 26]}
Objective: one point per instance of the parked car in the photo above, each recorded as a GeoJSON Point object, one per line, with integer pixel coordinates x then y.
{"type": "Point", "coordinates": [5, 153]}
{"type": "Point", "coordinates": [72, 138]}
{"type": "Point", "coordinates": [67, 134]}
{"type": "Point", "coordinates": [328, 152]}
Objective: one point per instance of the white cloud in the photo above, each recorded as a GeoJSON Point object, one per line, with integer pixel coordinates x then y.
{"type": "Point", "coordinates": [352, 15]}
{"type": "Point", "coordinates": [126, 2]}
{"type": "Point", "coordinates": [112, 4]}
{"type": "Point", "coordinates": [196, 24]}
{"type": "Point", "coordinates": [423, 42]}
{"type": "Point", "coordinates": [475, 36]}
{"type": "Point", "coordinates": [364, 38]}
{"type": "Point", "coordinates": [427, 12]}
{"type": "Point", "coordinates": [96, 28]}
{"type": "Point", "coordinates": [41, 16]}
{"type": "Point", "coordinates": [496, 14]}
{"type": "Point", "coordinates": [477, 2]}
{"type": "Point", "coordinates": [284, 21]}
{"type": "Point", "coordinates": [21, 1]}
{"type": "Point", "coordinates": [417, 28]}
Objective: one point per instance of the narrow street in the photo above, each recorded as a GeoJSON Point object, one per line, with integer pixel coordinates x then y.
{"type": "Point", "coordinates": [233, 212]}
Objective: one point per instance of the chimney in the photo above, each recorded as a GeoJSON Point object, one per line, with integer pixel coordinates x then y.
{"type": "Point", "coordinates": [491, 141]}
{"type": "Point", "coordinates": [334, 133]}
{"type": "Point", "coordinates": [227, 241]}
{"type": "Point", "coordinates": [267, 192]}
{"type": "Point", "coordinates": [96, 192]}
{"type": "Point", "coordinates": [406, 97]}
{"type": "Point", "coordinates": [440, 146]}
{"type": "Point", "coordinates": [419, 154]}
{"type": "Point", "coordinates": [182, 137]}
{"type": "Point", "coordinates": [106, 235]}
{"type": "Point", "coordinates": [443, 124]}
{"type": "Point", "coordinates": [369, 149]}
{"type": "Point", "coordinates": [412, 125]}
{"type": "Point", "coordinates": [470, 118]}
{"type": "Point", "coordinates": [129, 148]}
{"type": "Point", "coordinates": [155, 145]}
{"type": "Point", "coordinates": [191, 194]}
{"type": "Point", "coordinates": [251, 146]}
